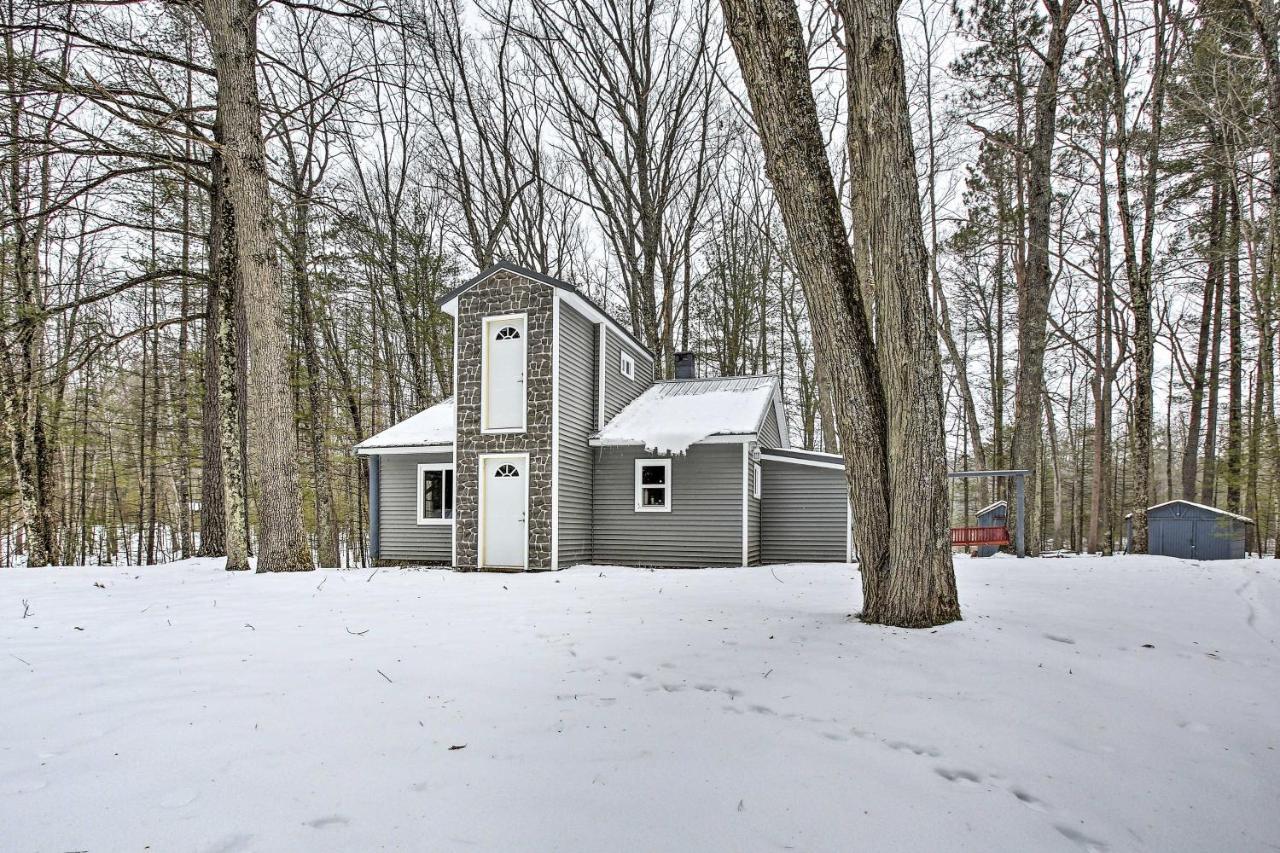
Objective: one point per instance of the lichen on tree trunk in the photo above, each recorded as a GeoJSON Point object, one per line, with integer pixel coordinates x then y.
{"type": "Point", "coordinates": [282, 544]}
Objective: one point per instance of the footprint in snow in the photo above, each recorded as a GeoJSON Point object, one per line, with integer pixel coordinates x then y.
{"type": "Point", "coordinates": [1032, 802]}
{"type": "Point", "coordinates": [958, 775]}
{"type": "Point", "coordinates": [1092, 845]}
{"type": "Point", "coordinates": [904, 746]}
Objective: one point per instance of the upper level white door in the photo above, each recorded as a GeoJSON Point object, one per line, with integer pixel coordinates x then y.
{"type": "Point", "coordinates": [503, 391]}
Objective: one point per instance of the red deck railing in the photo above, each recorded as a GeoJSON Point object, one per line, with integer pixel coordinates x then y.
{"type": "Point", "coordinates": [964, 536]}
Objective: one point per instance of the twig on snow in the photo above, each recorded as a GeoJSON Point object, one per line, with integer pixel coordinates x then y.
{"type": "Point", "coordinates": [375, 571]}
{"type": "Point", "coordinates": [775, 576]}
{"type": "Point", "coordinates": [457, 746]}
{"type": "Point", "coordinates": [387, 677]}
{"type": "Point", "coordinates": [26, 608]}
{"type": "Point", "coordinates": [357, 633]}
{"type": "Point", "coordinates": [15, 657]}
{"type": "Point", "coordinates": [321, 583]}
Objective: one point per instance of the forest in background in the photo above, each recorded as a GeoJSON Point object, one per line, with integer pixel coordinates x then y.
{"type": "Point", "coordinates": [1097, 183]}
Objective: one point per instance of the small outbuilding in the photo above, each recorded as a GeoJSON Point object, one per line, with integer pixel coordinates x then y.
{"type": "Point", "coordinates": [995, 515]}
{"type": "Point", "coordinates": [1194, 531]}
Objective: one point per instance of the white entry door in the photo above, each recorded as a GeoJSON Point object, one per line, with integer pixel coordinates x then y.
{"type": "Point", "coordinates": [505, 508]}
{"type": "Point", "coordinates": [504, 365]}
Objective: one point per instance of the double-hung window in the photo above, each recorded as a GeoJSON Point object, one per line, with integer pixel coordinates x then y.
{"type": "Point", "coordinates": [435, 493]}
{"type": "Point", "coordinates": [653, 485]}
{"type": "Point", "coordinates": [627, 366]}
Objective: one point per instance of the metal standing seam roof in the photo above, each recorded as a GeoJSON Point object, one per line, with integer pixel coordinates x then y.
{"type": "Point", "coordinates": [664, 402]}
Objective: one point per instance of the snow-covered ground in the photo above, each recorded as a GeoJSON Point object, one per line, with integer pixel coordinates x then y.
{"type": "Point", "coordinates": [1108, 704]}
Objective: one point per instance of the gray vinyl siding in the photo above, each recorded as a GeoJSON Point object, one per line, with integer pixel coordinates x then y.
{"type": "Point", "coordinates": [401, 537]}
{"type": "Point", "coordinates": [804, 514]}
{"type": "Point", "coordinates": [704, 527]}
{"type": "Point", "coordinates": [769, 435]}
{"type": "Point", "coordinates": [577, 388]}
{"type": "Point", "coordinates": [618, 389]}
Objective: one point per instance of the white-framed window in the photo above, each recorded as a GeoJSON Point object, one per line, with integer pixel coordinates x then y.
{"type": "Point", "coordinates": [755, 487]}
{"type": "Point", "coordinates": [653, 485]}
{"type": "Point", "coordinates": [627, 365]}
{"type": "Point", "coordinates": [435, 493]}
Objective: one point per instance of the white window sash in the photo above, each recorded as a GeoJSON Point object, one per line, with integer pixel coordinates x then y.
{"type": "Point", "coordinates": [442, 467]}
{"type": "Point", "coordinates": [640, 486]}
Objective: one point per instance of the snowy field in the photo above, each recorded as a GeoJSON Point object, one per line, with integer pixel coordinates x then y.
{"type": "Point", "coordinates": [1104, 704]}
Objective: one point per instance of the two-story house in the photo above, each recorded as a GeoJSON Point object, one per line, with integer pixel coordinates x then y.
{"type": "Point", "coordinates": [559, 448]}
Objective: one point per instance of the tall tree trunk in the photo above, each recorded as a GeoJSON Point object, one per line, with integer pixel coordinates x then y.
{"type": "Point", "coordinates": [1034, 290]}
{"type": "Point", "coordinates": [1139, 251]}
{"type": "Point", "coordinates": [922, 584]}
{"type": "Point", "coordinates": [906, 573]}
{"type": "Point", "coordinates": [282, 544]}
{"type": "Point", "coordinates": [213, 521]}
{"type": "Point", "coordinates": [326, 521]}
{"type": "Point", "coordinates": [227, 285]}
{"type": "Point", "coordinates": [1235, 379]}
{"type": "Point", "coordinates": [1209, 477]}
{"type": "Point", "coordinates": [1213, 276]}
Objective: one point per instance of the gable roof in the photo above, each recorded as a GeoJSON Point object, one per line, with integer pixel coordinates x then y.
{"type": "Point", "coordinates": [671, 416]}
{"type": "Point", "coordinates": [1212, 509]}
{"type": "Point", "coordinates": [432, 427]}
{"type": "Point", "coordinates": [580, 300]}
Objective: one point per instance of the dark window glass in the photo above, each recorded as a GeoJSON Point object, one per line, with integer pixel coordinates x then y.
{"type": "Point", "coordinates": [653, 475]}
{"type": "Point", "coordinates": [437, 493]}
{"type": "Point", "coordinates": [653, 497]}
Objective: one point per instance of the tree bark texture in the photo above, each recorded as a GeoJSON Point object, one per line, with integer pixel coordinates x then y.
{"type": "Point", "coordinates": [922, 575]}
{"type": "Point", "coordinates": [907, 588]}
{"type": "Point", "coordinates": [282, 544]}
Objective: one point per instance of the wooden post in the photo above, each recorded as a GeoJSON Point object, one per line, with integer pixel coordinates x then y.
{"type": "Point", "coordinates": [1019, 484]}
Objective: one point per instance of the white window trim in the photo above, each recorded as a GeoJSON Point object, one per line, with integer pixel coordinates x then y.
{"type": "Point", "coordinates": [485, 325]}
{"type": "Point", "coordinates": [626, 365]}
{"type": "Point", "coordinates": [653, 463]}
{"type": "Point", "coordinates": [758, 473]}
{"type": "Point", "coordinates": [436, 466]}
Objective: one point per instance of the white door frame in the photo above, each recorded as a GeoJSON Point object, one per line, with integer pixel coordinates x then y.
{"type": "Point", "coordinates": [484, 371]}
{"type": "Point", "coordinates": [483, 457]}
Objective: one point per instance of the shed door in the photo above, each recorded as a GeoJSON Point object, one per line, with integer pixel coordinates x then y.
{"type": "Point", "coordinates": [504, 397]}
{"type": "Point", "coordinates": [1174, 537]}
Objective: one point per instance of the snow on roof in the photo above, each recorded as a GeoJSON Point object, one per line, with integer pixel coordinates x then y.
{"type": "Point", "coordinates": [1212, 509]}
{"type": "Point", "coordinates": [429, 427]}
{"type": "Point", "coordinates": [671, 416]}
{"type": "Point", "coordinates": [990, 507]}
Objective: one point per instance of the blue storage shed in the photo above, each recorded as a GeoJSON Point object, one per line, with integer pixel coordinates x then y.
{"type": "Point", "coordinates": [995, 515]}
{"type": "Point", "coordinates": [1194, 531]}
